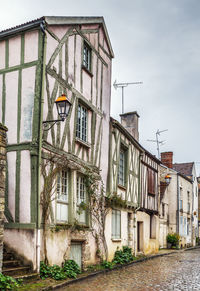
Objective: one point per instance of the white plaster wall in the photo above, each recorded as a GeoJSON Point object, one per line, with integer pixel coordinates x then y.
{"type": "Point", "coordinates": [78, 63]}
{"type": "Point", "coordinates": [31, 46]}
{"type": "Point", "coordinates": [149, 245]}
{"type": "Point", "coordinates": [14, 51]}
{"type": "Point", "coordinates": [59, 31]}
{"type": "Point", "coordinates": [86, 85]}
{"type": "Point", "coordinates": [11, 106]}
{"type": "Point", "coordinates": [61, 240]}
{"type": "Point", "coordinates": [2, 54]}
{"type": "Point", "coordinates": [51, 46]}
{"type": "Point", "coordinates": [27, 103]}
{"type": "Point", "coordinates": [114, 244]}
{"type": "Point", "coordinates": [11, 159]}
{"type": "Point", "coordinates": [25, 187]}
{"type": "Point", "coordinates": [23, 242]}
{"type": "Point", "coordinates": [71, 60]}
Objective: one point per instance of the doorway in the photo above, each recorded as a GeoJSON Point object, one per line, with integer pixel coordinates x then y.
{"type": "Point", "coordinates": [139, 236]}
{"type": "Point", "coordinates": [76, 253]}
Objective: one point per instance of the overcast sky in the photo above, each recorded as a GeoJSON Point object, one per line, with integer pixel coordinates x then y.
{"type": "Point", "coordinates": [154, 41]}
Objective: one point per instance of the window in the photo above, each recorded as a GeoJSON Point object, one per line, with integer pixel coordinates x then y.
{"type": "Point", "coordinates": [121, 169]}
{"type": "Point", "coordinates": [87, 57]}
{"type": "Point", "coordinates": [62, 196]}
{"type": "Point", "coordinates": [181, 204]}
{"type": "Point", "coordinates": [151, 181]}
{"type": "Point", "coordinates": [81, 198]}
{"type": "Point", "coordinates": [81, 126]}
{"type": "Point", "coordinates": [116, 224]}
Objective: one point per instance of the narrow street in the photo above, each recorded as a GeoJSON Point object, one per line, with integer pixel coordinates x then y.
{"type": "Point", "coordinates": [180, 271]}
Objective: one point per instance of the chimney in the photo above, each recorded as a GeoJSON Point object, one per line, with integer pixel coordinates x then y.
{"type": "Point", "coordinates": [130, 122]}
{"type": "Point", "coordinates": [167, 159]}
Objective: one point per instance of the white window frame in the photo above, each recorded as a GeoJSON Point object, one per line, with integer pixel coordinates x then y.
{"type": "Point", "coordinates": [121, 168]}
{"type": "Point", "coordinates": [62, 203]}
{"type": "Point", "coordinates": [87, 56]}
{"type": "Point", "coordinates": [116, 224]}
{"type": "Point", "coordinates": [81, 197]}
{"type": "Point", "coordinates": [82, 123]}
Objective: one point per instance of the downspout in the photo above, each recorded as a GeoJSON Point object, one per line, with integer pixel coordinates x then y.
{"type": "Point", "coordinates": [135, 211]}
{"type": "Point", "coordinates": [178, 206]}
{"type": "Point", "coordinates": [43, 57]}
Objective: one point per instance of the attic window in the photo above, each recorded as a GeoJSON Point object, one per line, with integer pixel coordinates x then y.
{"type": "Point", "coordinates": [87, 56]}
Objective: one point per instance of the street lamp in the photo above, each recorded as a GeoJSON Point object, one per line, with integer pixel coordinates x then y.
{"type": "Point", "coordinates": [63, 106]}
{"type": "Point", "coordinates": [168, 179]}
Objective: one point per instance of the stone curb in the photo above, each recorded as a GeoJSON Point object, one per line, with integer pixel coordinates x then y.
{"type": "Point", "coordinates": [73, 281]}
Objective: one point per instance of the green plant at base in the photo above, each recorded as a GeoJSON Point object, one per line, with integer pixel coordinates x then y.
{"type": "Point", "coordinates": [107, 265]}
{"type": "Point", "coordinates": [173, 239]}
{"type": "Point", "coordinates": [123, 256]}
{"type": "Point", "coordinates": [69, 270]}
{"type": "Point", "coordinates": [8, 283]}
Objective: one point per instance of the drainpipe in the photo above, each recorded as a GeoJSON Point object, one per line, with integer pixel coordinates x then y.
{"type": "Point", "coordinates": [135, 225]}
{"type": "Point", "coordinates": [40, 145]}
{"type": "Point", "coordinates": [178, 206]}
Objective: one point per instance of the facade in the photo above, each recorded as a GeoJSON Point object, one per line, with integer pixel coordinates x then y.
{"type": "Point", "coordinates": [148, 213]}
{"type": "Point", "coordinates": [133, 176]}
{"type": "Point", "coordinates": [175, 204]}
{"type": "Point", "coordinates": [188, 169]}
{"type": "Point", "coordinates": [39, 61]}
{"type": "Point", "coordinates": [123, 188]}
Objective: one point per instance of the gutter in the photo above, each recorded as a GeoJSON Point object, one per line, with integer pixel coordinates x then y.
{"type": "Point", "coordinates": [43, 67]}
{"type": "Point", "coordinates": [21, 28]}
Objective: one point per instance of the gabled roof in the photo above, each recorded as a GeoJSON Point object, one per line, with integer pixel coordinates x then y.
{"type": "Point", "coordinates": [184, 168]}
{"type": "Point", "coordinates": [131, 138]}
{"type": "Point", "coordinates": [58, 20]}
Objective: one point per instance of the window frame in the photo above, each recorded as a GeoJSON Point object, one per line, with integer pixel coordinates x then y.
{"type": "Point", "coordinates": [121, 180]}
{"type": "Point", "coordinates": [87, 57]}
{"type": "Point", "coordinates": [151, 178]}
{"type": "Point", "coordinates": [80, 180]}
{"type": "Point", "coordinates": [116, 218]}
{"type": "Point", "coordinates": [82, 125]}
{"type": "Point", "coordinates": [62, 182]}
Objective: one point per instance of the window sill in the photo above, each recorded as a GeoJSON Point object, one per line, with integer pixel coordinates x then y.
{"type": "Point", "coordinates": [116, 239]}
{"type": "Point", "coordinates": [122, 187]}
{"type": "Point", "coordinates": [87, 71]}
{"type": "Point", "coordinates": [84, 143]}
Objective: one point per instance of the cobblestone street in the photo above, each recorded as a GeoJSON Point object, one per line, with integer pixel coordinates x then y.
{"type": "Point", "coordinates": [178, 271]}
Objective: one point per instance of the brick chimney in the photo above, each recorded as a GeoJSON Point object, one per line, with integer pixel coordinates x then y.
{"type": "Point", "coordinates": [167, 159]}
{"type": "Point", "coordinates": [130, 122]}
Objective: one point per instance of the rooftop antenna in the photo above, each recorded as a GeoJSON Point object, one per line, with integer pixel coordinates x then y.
{"type": "Point", "coordinates": [159, 142]}
{"type": "Point", "coordinates": [122, 85]}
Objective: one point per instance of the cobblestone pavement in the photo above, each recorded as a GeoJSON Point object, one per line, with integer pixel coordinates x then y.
{"type": "Point", "coordinates": [178, 271]}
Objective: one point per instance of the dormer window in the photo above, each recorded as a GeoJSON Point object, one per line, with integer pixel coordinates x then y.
{"type": "Point", "coordinates": [87, 55]}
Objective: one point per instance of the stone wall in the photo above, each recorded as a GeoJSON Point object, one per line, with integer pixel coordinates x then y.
{"type": "Point", "coordinates": [3, 141]}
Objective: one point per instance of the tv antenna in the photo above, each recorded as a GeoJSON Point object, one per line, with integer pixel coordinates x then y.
{"type": "Point", "coordinates": [123, 85]}
{"type": "Point", "coordinates": [158, 142]}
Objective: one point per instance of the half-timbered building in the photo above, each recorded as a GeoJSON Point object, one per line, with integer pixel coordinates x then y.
{"type": "Point", "coordinates": [133, 176]}
{"type": "Point", "coordinates": [39, 61]}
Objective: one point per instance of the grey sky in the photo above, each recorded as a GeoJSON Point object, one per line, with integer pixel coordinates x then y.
{"type": "Point", "coordinates": [154, 41]}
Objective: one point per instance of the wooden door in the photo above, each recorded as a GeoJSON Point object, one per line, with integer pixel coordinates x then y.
{"type": "Point", "coordinates": [76, 253]}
